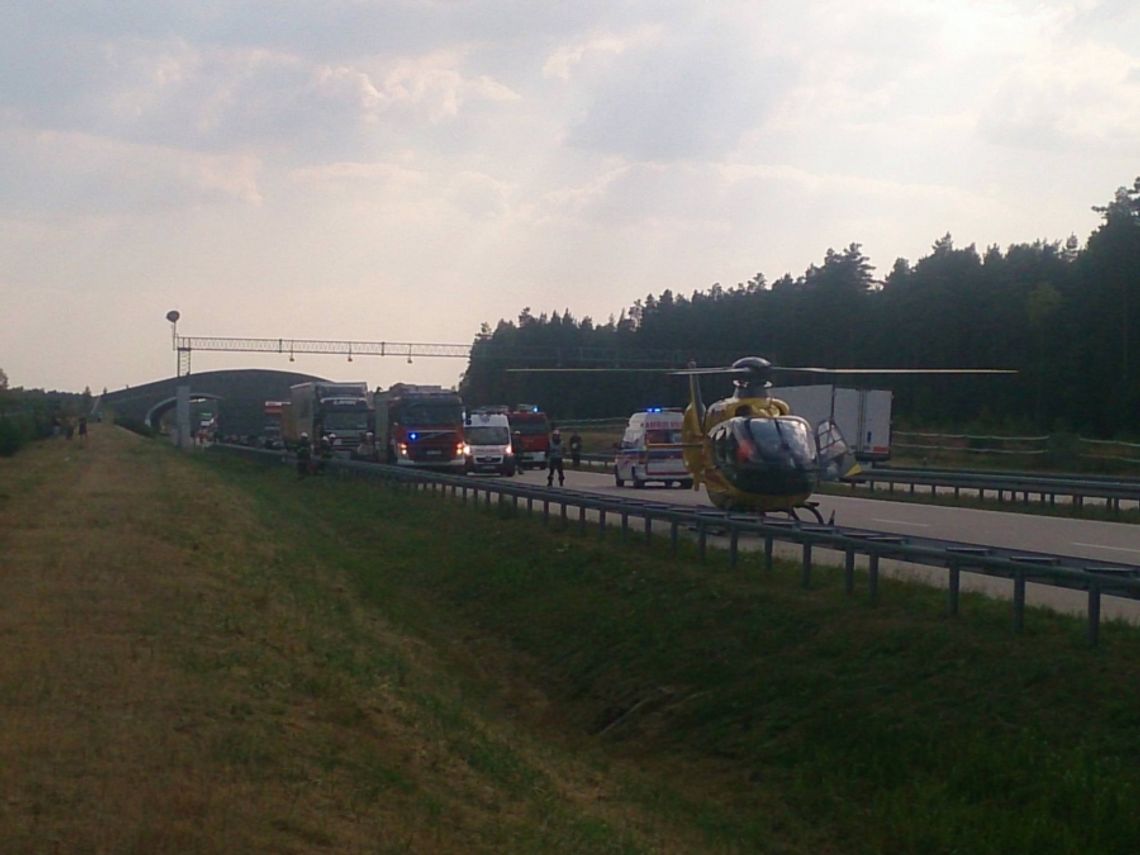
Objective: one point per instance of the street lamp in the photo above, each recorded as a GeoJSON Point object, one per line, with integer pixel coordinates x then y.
{"type": "Point", "coordinates": [173, 317]}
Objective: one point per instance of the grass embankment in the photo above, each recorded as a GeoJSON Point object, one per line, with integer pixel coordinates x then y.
{"type": "Point", "coordinates": [204, 655]}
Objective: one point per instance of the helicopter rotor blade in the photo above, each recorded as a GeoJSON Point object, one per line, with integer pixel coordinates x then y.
{"type": "Point", "coordinates": [695, 372]}
{"type": "Point", "coordinates": [805, 370]}
{"type": "Point", "coordinates": [581, 370]}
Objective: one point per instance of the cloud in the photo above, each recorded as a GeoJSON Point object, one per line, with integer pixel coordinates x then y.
{"type": "Point", "coordinates": [1080, 99]}
{"type": "Point", "coordinates": [686, 95]}
{"type": "Point", "coordinates": [49, 172]}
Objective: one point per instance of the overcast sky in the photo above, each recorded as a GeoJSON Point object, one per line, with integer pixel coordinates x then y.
{"type": "Point", "coordinates": [405, 170]}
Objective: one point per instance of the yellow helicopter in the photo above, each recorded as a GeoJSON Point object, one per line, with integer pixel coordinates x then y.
{"type": "Point", "coordinates": [749, 450]}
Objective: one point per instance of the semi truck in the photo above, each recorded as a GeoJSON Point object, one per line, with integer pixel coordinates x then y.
{"type": "Point", "coordinates": [420, 426]}
{"type": "Point", "coordinates": [863, 416]}
{"type": "Point", "coordinates": [341, 411]}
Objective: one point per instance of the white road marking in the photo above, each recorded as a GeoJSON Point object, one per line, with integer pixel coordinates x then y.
{"type": "Point", "coordinates": [1110, 548]}
{"type": "Point", "coordinates": [901, 522]}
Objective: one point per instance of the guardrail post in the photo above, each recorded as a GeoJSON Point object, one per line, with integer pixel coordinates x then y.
{"type": "Point", "coordinates": [768, 549]}
{"type": "Point", "coordinates": [545, 510]}
{"type": "Point", "coordinates": [953, 587]}
{"type": "Point", "coordinates": [581, 519]}
{"type": "Point", "coordinates": [733, 543]}
{"type": "Point", "coordinates": [849, 572]}
{"type": "Point", "coordinates": [1018, 601]}
{"type": "Point", "coordinates": [1094, 613]}
{"type": "Point", "coordinates": [601, 523]}
{"type": "Point", "coordinates": [624, 523]}
{"type": "Point", "coordinates": [674, 527]}
{"type": "Point", "coordinates": [648, 528]}
{"type": "Point", "coordinates": [873, 578]}
{"type": "Point", "coordinates": [805, 578]}
{"type": "Point", "coordinates": [701, 538]}
{"type": "Point", "coordinates": [563, 514]}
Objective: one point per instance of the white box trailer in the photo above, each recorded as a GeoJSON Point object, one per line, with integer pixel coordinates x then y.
{"type": "Point", "coordinates": [862, 415]}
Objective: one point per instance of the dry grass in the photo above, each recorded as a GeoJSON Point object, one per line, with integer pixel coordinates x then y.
{"type": "Point", "coordinates": [172, 679]}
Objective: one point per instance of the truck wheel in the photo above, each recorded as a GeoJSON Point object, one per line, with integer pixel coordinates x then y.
{"type": "Point", "coordinates": [687, 484]}
{"type": "Point", "coordinates": [637, 483]}
{"type": "Point", "coordinates": [618, 479]}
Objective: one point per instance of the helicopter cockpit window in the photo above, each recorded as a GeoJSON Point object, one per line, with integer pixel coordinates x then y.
{"type": "Point", "coordinates": [782, 437]}
{"type": "Point", "coordinates": [766, 455]}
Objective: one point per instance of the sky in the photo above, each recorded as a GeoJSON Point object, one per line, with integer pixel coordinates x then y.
{"type": "Point", "coordinates": [406, 170]}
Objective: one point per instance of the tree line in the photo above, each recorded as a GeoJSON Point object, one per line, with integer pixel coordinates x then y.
{"type": "Point", "coordinates": [1065, 316]}
{"type": "Point", "coordinates": [27, 414]}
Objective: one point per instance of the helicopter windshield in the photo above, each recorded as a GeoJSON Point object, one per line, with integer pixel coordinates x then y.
{"type": "Point", "coordinates": [774, 456]}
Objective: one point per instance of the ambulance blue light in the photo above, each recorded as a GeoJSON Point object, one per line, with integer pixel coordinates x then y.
{"type": "Point", "coordinates": [654, 410]}
{"type": "Point", "coordinates": [413, 436]}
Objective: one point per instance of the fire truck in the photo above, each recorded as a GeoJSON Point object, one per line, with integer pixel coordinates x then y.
{"type": "Point", "coordinates": [420, 426]}
{"type": "Point", "coordinates": [530, 435]}
{"type": "Point", "coordinates": [343, 410]}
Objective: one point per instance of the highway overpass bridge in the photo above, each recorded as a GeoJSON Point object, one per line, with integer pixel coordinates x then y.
{"type": "Point", "coordinates": [240, 395]}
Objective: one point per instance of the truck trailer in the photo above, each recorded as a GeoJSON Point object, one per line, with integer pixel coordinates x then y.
{"type": "Point", "coordinates": [863, 416]}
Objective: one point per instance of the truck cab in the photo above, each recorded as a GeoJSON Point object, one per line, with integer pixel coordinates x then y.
{"type": "Point", "coordinates": [530, 435]}
{"type": "Point", "coordinates": [650, 450]}
{"type": "Point", "coordinates": [488, 445]}
{"type": "Point", "coordinates": [420, 426]}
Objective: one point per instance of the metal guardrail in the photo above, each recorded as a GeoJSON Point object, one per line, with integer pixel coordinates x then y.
{"type": "Point", "coordinates": [1096, 578]}
{"type": "Point", "coordinates": [1045, 488]}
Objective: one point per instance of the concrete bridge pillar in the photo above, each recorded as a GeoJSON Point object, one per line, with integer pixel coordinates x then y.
{"type": "Point", "coordinates": [182, 436]}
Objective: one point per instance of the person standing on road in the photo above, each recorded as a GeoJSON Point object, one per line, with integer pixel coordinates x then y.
{"type": "Point", "coordinates": [575, 450]}
{"type": "Point", "coordinates": [554, 459]}
{"type": "Point", "coordinates": [304, 456]}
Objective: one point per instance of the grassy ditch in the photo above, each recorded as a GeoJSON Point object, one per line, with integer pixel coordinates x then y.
{"type": "Point", "coordinates": [224, 658]}
{"type": "Point", "coordinates": [767, 717]}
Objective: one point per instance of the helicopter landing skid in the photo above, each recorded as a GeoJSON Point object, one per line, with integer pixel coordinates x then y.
{"type": "Point", "coordinates": [793, 513]}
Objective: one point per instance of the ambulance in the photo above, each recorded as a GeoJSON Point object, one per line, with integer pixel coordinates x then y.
{"type": "Point", "coordinates": [650, 450]}
{"type": "Point", "coordinates": [488, 447]}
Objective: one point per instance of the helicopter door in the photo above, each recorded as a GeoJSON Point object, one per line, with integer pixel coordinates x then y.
{"type": "Point", "coordinates": [835, 458]}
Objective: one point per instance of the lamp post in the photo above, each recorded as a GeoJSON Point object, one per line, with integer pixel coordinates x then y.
{"type": "Point", "coordinates": [181, 435]}
{"type": "Point", "coordinates": [173, 317]}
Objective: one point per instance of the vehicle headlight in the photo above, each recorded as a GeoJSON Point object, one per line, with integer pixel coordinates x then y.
{"type": "Point", "coordinates": [466, 449]}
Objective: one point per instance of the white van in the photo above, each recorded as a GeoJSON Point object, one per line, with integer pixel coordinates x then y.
{"type": "Point", "coordinates": [487, 443]}
{"type": "Point", "coordinates": [650, 450]}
